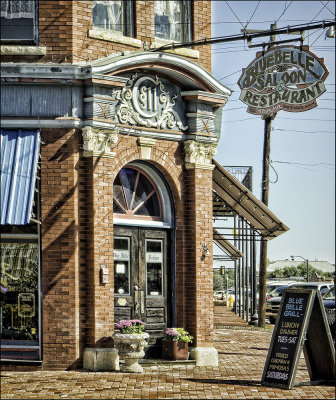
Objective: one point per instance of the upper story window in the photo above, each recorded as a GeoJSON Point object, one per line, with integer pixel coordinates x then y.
{"type": "Point", "coordinates": [172, 20]}
{"type": "Point", "coordinates": [19, 21]}
{"type": "Point", "coordinates": [113, 15]}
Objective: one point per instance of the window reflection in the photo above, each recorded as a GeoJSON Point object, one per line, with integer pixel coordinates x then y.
{"type": "Point", "coordinates": [108, 15]}
{"type": "Point", "coordinates": [19, 292]}
{"type": "Point", "coordinates": [121, 266]}
{"type": "Point", "coordinates": [168, 20]}
{"type": "Point", "coordinates": [154, 262]}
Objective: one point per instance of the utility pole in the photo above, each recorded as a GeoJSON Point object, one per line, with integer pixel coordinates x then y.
{"type": "Point", "coordinates": [264, 198]}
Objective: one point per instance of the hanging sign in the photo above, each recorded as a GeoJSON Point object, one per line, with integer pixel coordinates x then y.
{"type": "Point", "coordinates": [283, 78]}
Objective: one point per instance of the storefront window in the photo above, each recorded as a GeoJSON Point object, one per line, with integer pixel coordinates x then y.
{"type": "Point", "coordinates": [19, 293]}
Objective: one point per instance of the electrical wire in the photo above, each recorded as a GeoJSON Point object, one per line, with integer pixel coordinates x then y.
{"type": "Point", "coordinates": [324, 6]}
{"type": "Point", "coordinates": [234, 14]}
{"type": "Point", "coordinates": [284, 10]}
{"type": "Point", "coordinates": [252, 14]}
{"type": "Point", "coordinates": [328, 8]}
{"type": "Point", "coordinates": [317, 38]}
{"type": "Point", "coordinates": [276, 174]}
{"type": "Point", "coordinates": [294, 130]}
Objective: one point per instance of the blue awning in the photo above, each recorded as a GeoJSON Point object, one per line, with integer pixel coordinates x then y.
{"type": "Point", "coordinates": [19, 156]}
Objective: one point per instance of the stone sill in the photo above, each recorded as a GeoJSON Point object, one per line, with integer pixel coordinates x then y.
{"type": "Point", "coordinates": [113, 37]}
{"type": "Point", "coordinates": [186, 52]}
{"type": "Point", "coordinates": [7, 50]}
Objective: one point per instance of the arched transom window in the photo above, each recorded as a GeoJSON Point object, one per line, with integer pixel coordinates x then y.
{"type": "Point", "coordinates": [135, 196]}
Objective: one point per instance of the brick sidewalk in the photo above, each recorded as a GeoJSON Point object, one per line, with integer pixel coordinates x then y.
{"type": "Point", "coordinates": [242, 354]}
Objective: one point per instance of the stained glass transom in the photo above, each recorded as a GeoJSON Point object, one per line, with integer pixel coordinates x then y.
{"type": "Point", "coordinates": [135, 196]}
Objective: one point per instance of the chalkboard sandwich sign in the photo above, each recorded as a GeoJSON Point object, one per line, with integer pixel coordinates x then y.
{"type": "Point", "coordinates": [301, 324]}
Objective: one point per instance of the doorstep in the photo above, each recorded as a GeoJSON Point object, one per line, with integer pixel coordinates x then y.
{"type": "Point", "coordinates": [152, 362]}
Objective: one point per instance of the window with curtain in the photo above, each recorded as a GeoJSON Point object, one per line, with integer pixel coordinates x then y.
{"type": "Point", "coordinates": [172, 20]}
{"type": "Point", "coordinates": [113, 15]}
{"type": "Point", "coordinates": [18, 21]}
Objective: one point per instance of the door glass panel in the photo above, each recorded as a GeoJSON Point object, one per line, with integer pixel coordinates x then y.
{"type": "Point", "coordinates": [154, 264]}
{"type": "Point", "coordinates": [121, 266]}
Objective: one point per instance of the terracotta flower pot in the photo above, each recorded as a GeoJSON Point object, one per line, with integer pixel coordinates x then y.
{"type": "Point", "coordinates": [174, 350]}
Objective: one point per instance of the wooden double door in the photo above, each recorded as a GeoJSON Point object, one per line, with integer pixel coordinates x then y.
{"type": "Point", "coordinates": [141, 280]}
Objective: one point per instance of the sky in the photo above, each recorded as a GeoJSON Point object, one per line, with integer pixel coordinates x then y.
{"type": "Point", "coordinates": [302, 173]}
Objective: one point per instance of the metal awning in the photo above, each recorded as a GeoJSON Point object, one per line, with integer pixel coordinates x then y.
{"type": "Point", "coordinates": [235, 196]}
{"type": "Point", "coordinates": [19, 158]}
{"type": "Point", "coordinates": [226, 246]}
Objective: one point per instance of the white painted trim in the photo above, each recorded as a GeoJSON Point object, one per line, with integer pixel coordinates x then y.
{"type": "Point", "coordinates": [110, 64]}
{"type": "Point", "coordinates": [148, 224]}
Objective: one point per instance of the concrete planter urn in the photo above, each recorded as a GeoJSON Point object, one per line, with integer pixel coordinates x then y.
{"type": "Point", "coordinates": [130, 348]}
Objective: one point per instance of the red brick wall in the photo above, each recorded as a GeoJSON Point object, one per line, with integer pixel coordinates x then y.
{"type": "Point", "coordinates": [64, 27]}
{"type": "Point", "coordinates": [202, 30]}
{"type": "Point", "coordinates": [77, 236]}
{"type": "Point", "coordinates": [60, 267]}
{"type": "Point", "coordinates": [198, 268]}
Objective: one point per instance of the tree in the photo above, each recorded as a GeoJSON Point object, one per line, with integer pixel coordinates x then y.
{"type": "Point", "coordinates": [218, 283]}
{"type": "Point", "coordinates": [299, 271]}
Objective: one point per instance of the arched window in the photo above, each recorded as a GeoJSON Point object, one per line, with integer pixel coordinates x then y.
{"type": "Point", "coordinates": [135, 196]}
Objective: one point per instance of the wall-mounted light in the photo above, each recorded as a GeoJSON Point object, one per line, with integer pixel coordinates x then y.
{"type": "Point", "coordinates": [206, 251]}
{"type": "Point", "coordinates": [330, 32]}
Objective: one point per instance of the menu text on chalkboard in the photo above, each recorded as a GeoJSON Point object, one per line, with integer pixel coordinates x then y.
{"type": "Point", "coordinates": [287, 340]}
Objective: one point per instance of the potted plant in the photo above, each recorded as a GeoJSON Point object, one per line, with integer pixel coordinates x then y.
{"type": "Point", "coordinates": [175, 344]}
{"type": "Point", "coordinates": [130, 343]}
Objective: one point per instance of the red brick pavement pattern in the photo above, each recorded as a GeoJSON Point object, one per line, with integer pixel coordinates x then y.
{"type": "Point", "coordinates": [242, 355]}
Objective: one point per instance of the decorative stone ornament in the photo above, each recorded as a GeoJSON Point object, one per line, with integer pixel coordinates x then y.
{"type": "Point", "coordinates": [130, 348]}
{"type": "Point", "coordinates": [145, 102]}
{"type": "Point", "coordinates": [98, 143]}
{"type": "Point", "coordinates": [146, 145]}
{"type": "Point", "coordinates": [199, 155]}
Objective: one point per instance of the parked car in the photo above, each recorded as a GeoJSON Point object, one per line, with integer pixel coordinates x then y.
{"type": "Point", "coordinates": [323, 287]}
{"type": "Point", "coordinates": [273, 302]}
{"type": "Point", "coordinates": [330, 307]}
{"type": "Point", "coordinates": [271, 285]}
{"type": "Point", "coordinates": [219, 295]}
{"type": "Point", "coordinates": [274, 299]}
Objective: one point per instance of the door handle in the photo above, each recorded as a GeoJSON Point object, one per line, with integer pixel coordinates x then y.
{"type": "Point", "coordinates": [142, 302]}
{"type": "Point", "coordinates": [136, 299]}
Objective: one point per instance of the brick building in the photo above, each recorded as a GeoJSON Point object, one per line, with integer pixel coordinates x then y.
{"type": "Point", "coordinates": [120, 137]}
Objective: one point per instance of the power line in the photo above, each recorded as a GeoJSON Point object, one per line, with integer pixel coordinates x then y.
{"type": "Point", "coordinates": [294, 130]}
{"type": "Point", "coordinates": [284, 11]}
{"type": "Point", "coordinates": [252, 15]}
{"type": "Point", "coordinates": [308, 165]}
{"type": "Point", "coordinates": [328, 8]}
{"type": "Point", "coordinates": [234, 14]}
